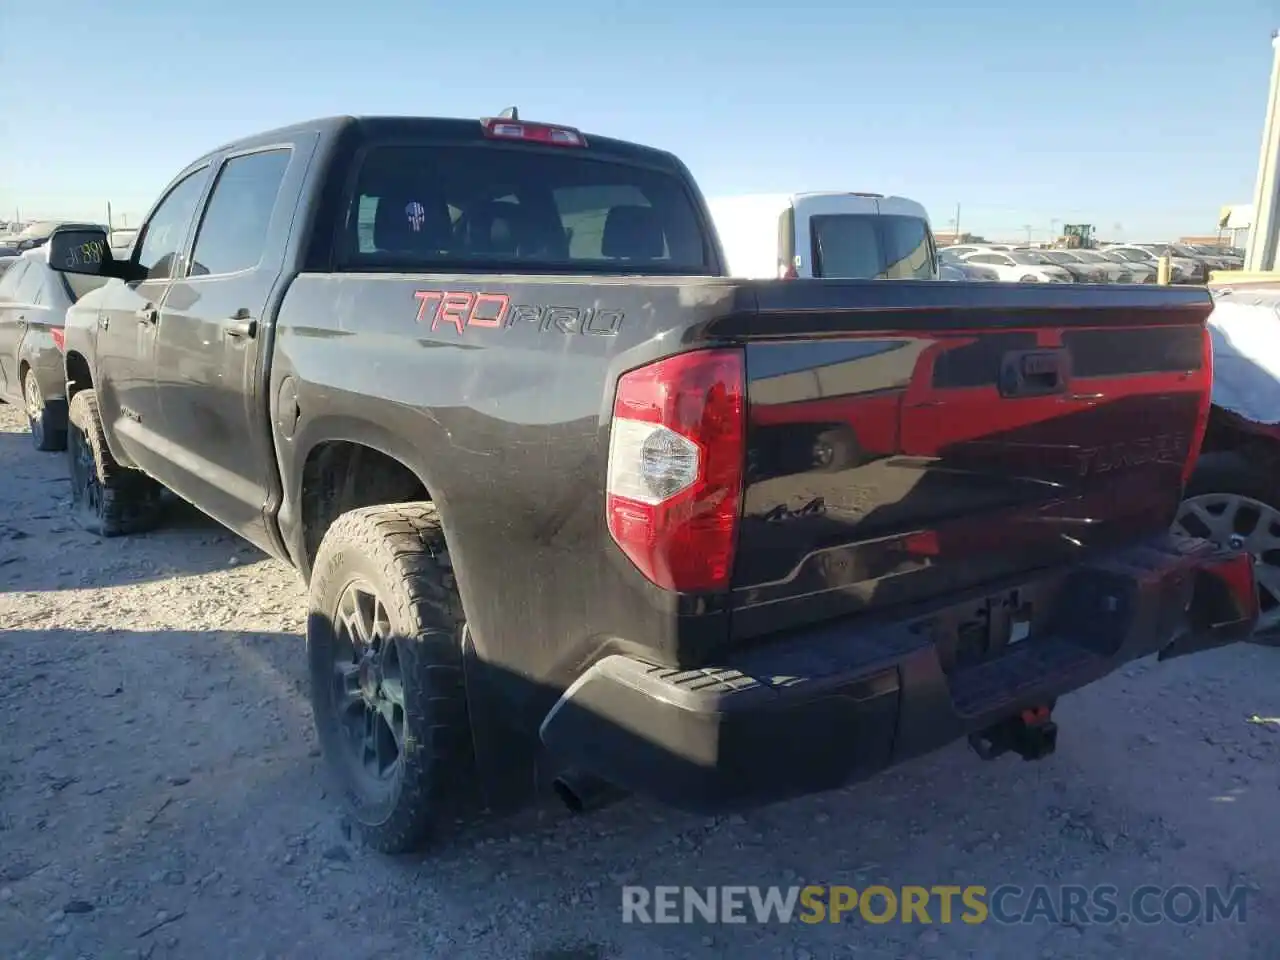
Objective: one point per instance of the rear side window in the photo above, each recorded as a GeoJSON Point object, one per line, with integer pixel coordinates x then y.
{"type": "Point", "coordinates": [487, 207]}
{"type": "Point", "coordinates": [78, 284]}
{"type": "Point", "coordinates": [30, 285]}
{"type": "Point", "coordinates": [786, 242]}
{"type": "Point", "coordinates": [12, 277]}
{"type": "Point", "coordinates": [871, 247]}
{"type": "Point", "coordinates": [233, 233]}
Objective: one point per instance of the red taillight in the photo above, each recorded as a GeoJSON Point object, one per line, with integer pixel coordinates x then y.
{"type": "Point", "coordinates": [788, 271]}
{"type": "Point", "coordinates": [59, 339]}
{"type": "Point", "coordinates": [1206, 403]}
{"type": "Point", "coordinates": [676, 452]}
{"type": "Point", "coordinates": [500, 129]}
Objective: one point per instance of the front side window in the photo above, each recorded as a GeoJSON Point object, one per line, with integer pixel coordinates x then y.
{"type": "Point", "coordinates": [1035, 259]}
{"type": "Point", "coordinates": [233, 233]}
{"type": "Point", "coordinates": [166, 232]}
{"type": "Point", "coordinates": [489, 207]}
{"type": "Point", "coordinates": [850, 246]}
{"type": "Point", "coordinates": [1136, 256]}
{"type": "Point", "coordinates": [78, 284]}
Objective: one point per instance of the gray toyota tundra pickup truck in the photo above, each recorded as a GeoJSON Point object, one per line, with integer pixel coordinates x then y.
{"type": "Point", "coordinates": [577, 511]}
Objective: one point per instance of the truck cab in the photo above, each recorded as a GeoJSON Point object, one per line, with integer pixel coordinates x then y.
{"type": "Point", "coordinates": [834, 236]}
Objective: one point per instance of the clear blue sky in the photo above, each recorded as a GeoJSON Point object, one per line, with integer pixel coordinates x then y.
{"type": "Point", "coordinates": [1142, 113]}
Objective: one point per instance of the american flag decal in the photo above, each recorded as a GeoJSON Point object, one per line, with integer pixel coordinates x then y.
{"type": "Point", "coordinates": [417, 215]}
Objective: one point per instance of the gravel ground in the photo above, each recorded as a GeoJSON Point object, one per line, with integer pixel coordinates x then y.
{"type": "Point", "coordinates": [161, 794]}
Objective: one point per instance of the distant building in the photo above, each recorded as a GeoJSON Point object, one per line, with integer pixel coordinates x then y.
{"type": "Point", "coordinates": [950, 237]}
{"type": "Point", "coordinates": [1234, 222]}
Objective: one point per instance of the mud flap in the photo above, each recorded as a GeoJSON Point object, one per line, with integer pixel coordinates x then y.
{"type": "Point", "coordinates": [1223, 608]}
{"type": "Point", "coordinates": [506, 760]}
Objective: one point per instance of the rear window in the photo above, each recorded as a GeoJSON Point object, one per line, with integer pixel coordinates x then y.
{"type": "Point", "coordinates": [430, 208]}
{"type": "Point", "coordinates": [871, 247]}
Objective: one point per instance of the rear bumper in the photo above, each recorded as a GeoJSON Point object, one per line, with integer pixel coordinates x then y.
{"type": "Point", "coordinates": [835, 704]}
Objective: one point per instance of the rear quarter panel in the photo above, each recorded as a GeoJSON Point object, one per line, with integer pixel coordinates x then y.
{"type": "Point", "coordinates": [505, 421]}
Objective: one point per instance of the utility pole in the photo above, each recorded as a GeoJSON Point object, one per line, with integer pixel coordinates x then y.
{"type": "Point", "coordinates": [109, 226]}
{"type": "Point", "coordinates": [959, 236]}
{"type": "Point", "coordinates": [1027, 227]}
{"type": "Point", "coordinates": [1261, 253]}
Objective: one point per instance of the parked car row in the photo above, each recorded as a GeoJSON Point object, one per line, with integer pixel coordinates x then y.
{"type": "Point", "coordinates": [33, 235]}
{"type": "Point", "coordinates": [1115, 263]}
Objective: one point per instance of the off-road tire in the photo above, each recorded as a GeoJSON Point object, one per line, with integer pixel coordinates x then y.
{"type": "Point", "coordinates": [109, 500]}
{"type": "Point", "coordinates": [46, 433]}
{"type": "Point", "coordinates": [399, 551]}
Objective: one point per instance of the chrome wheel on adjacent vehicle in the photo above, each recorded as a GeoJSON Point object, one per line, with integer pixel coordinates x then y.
{"type": "Point", "coordinates": [46, 432]}
{"type": "Point", "coordinates": [35, 402]}
{"type": "Point", "coordinates": [1243, 523]}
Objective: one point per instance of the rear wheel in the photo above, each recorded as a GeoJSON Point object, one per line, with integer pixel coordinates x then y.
{"type": "Point", "coordinates": [834, 449]}
{"type": "Point", "coordinates": [384, 644]}
{"type": "Point", "coordinates": [1233, 502]}
{"type": "Point", "coordinates": [106, 498]}
{"type": "Point", "coordinates": [46, 432]}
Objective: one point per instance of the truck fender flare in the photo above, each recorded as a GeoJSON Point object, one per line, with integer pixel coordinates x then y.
{"type": "Point", "coordinates": [330, 428]}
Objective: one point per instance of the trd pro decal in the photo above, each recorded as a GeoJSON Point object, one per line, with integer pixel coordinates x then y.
{"type": "Point", "coordinates": [463, 309]}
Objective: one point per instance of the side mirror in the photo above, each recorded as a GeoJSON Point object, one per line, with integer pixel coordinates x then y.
{"type": "Point", "coordinates": [81, 249]}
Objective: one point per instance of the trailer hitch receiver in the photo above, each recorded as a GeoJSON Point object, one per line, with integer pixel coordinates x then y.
{"type": "Point", "coordinates": [1030, 734]}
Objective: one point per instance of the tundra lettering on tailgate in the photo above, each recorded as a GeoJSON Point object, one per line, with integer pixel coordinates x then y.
{"type": "Point", "coordinates": [462, 308]}
{"type": "Point", "coordinates": [1163, 448]}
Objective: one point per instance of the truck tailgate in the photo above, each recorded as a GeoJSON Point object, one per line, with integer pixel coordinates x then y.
{"type": "Point", "coordinates": [906, 440]}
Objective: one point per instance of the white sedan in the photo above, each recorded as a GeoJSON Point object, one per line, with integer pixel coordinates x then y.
{"type": "Point", "coordinates": [1019, 266]}
{"type": "Point", "coordinates": [957, 252]}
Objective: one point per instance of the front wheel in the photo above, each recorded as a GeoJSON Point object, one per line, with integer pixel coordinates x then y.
{"type": "Point", "coordinates": [106, 498]}
{"type": "Point", "coordinates": [384, 645]}
{"type": "Point", "coordinates": [1232, 501]}
{"type": "Point", "coordinates": [46, 433]}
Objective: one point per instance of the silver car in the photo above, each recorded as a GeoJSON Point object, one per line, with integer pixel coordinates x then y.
{"type": "Point", "coordinates": [33, 306]}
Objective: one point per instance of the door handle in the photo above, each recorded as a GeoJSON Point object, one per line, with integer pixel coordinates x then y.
{"type": "Point", "coordinates": [242, 326]}
{"type": "Point", "coordinates": [148, 314]}
{"type": "Point", "coordinates": [22, 321]}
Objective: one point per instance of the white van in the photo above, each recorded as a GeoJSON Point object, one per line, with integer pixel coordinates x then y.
{"type": "Point", "coordinates": [862, 236]}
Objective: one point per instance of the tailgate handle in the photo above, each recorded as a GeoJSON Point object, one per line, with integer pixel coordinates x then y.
{"type": "Point", "coordinates": [1034, 373]}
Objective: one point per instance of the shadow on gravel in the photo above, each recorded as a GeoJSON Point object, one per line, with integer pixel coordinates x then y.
{"type": "Point", "coordinates": [231, 708]}
{"type": "Point", "coordinates": [42, 548]}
